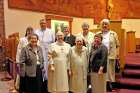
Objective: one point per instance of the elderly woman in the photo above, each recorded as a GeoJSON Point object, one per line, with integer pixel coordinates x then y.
{"type": "Point", "coordinates": [20, 81]}
{"type": "Point", "coordinates": [58, 65]}
{"type": "Point", "coordinates": [98, 65]}
{"type": "Point", "coordinates": [31, 65]}
{"type": "Point", "coordinates": [87, 35]}
{"type": "Point", "coordinates": [78, 67]}
{"type": "Point", "coordinates": [110, 40]}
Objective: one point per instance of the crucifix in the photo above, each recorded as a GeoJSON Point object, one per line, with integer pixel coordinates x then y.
{"type": "Point", "coordinates": [62, 49]}
{"type": "Point", "coordinates": [109, 8]}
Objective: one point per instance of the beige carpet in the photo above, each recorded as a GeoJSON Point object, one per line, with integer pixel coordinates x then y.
{"type": "Point", "coordinates": [5, 86]}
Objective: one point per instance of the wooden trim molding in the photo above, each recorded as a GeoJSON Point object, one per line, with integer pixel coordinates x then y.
{"type": "Point", "coordinates": [58, 17]}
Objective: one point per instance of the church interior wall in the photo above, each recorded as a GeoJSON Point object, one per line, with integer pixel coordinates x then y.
{"type": "Point", "coordinates": [18, 20]}
{"type": "Point", "coordinates": [132, 25]}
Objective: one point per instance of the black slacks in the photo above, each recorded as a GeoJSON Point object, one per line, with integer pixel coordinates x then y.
{"type": "Point", "coordinates": [32, 84]}
{"type": "Point", "coordinates": [22, 85]}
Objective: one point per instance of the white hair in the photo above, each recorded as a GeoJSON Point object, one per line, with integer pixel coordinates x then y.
{"type": "Point", "coordinates": [66, 26]}
{"type": "Point", "coordinates": [85, 25]}
{"type": "Point", "coordinates": [105, 21]}
{"type": "Point", "coordinates": [79, 38]}
{"type": "Point", "coordinates": [59, 33]}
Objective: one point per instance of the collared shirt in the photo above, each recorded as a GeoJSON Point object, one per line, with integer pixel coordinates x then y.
{"type": "Point", "coordinates": [37, 57]}
{"type": "Point", "coordinates": [67, 35]}
{"type": "Point", "coordinates": [89, 38]}
{"type": "Point", "coordinates": [106, 40]}
{"type": "Point", "coordinates": [45, 36]}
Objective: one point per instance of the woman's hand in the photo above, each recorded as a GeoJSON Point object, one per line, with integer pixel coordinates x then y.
{"type": "Point", "coordinates": [69, 73]}
{"type": "Point", "coordinates": [52, 68]}
{"type": "Point", "coordinates": [43, 71]}
{"type": "Point", "coordinates": [49, 57]}
{"type": "Point", "coordinates": [100, 72]}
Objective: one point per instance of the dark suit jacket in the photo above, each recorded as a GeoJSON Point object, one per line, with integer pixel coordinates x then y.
{"type": "Point", "coordinates": [98, 58]}
{"type": "Point", "coordinates": [70, 40]}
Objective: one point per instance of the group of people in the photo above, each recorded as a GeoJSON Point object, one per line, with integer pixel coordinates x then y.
{"type": "Point", "coordinates": [60, 63]}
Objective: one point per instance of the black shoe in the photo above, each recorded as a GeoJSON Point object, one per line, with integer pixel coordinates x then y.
{"type": "Point", "coordinates": [109, 87]}
{"type": "Point", "coordinates": [70, 92]}
{"type": "Point", "coordinates": [114, 85]}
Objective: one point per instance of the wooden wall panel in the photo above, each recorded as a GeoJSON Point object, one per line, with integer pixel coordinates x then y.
{"type": "Point", "coordinates": [125, 9]}
{"type": "Point", "coordinates": [2, 33]}
{"type": "Point", "coordinates": [138, 45]}
{"type": "Point", "coordinates": [97, 9]}
{"type": "Point", "coordinates": [131, 42]}
{"type": "Point", "coordinates": [79, 8]}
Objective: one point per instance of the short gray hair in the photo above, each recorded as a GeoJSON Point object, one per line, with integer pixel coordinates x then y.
{"type": "Point", "coordinates": [59, 33]}
{"type": "Point", "coordinates": [85, 25]}
{"type": "Point", "coordinates": [43, 21]}
{"type": "Point", "coordinates": [79, 38]}
{"type": "Point", "coordinates": [66, 26]}
{"type": "Point", "coordinates": [105, 21]}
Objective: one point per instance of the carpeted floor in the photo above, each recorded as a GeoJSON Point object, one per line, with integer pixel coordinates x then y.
{"type": "Point", "coordinates": [125, 91]}
{"type": "Point", "coordinates": [5, 86]}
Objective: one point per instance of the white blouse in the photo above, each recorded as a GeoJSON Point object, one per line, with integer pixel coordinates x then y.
{"type": "Point", "coordinates": [106, 40]}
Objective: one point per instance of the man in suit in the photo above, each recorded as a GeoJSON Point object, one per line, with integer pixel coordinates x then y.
{"type": "Point", "coordinates": [68, 38]}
